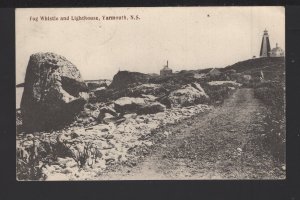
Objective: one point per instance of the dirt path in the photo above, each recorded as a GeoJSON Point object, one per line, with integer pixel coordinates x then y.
{"type": "Point", "coordinates": [224, 144]}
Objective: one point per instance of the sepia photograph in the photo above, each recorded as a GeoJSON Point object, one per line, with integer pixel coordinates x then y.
{"type": "Point", "coordinates": [150, 93]}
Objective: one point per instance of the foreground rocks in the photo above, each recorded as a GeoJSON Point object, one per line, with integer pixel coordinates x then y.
{"type": "Point", "coordinates": [79, 153]}
{"type": "Point", "coordinates": [53, 92]}
{"type": "Point", "coordinates": [116, 126]}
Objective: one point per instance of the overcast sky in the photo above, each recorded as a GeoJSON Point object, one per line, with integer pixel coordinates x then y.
{"type": "Point", "coordinates": [190, 38]}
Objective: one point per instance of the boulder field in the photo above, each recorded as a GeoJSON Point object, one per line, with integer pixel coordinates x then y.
{"type": "Point", "coordinates": [85, 152]}
{"type": "Point", "coordinates": [76, 130]}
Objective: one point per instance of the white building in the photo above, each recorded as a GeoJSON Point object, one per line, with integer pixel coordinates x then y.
{"type": "Point", "coordinates": [277, 52]}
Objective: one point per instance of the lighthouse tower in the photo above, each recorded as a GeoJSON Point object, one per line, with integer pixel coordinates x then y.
{"type": "Point", "coordinates": [265, 45]}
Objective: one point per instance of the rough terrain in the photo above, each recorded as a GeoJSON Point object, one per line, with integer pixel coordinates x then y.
{"type": "Point", "coordinates": [187, 125]}
{"type": "Point", "coordinates": [224, 144]}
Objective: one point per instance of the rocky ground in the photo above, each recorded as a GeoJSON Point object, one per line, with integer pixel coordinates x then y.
{"type": "Point", "coordinates": [224, 144]}
{"type": "Point", "coordinates": [120, 144]}
{"type": "Point", "coordinates": [197, 142]}
{"type": "Point", "coordinates": [141, 126]}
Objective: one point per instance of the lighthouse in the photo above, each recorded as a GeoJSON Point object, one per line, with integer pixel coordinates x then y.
{"type": "Point", "coordinates": [265, 45]}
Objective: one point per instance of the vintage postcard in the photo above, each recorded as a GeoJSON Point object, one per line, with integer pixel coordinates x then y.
{"type": "Point", "coordinates": [162, 93]}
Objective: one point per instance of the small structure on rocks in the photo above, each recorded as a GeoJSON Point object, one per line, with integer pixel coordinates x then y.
{"type": "Point", "coordinates": [166, 70]}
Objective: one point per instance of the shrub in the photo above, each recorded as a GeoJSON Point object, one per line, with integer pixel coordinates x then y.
{"type": "Point", "coordinates": [33, 156]}
{"type": "Point", "coordinates": [29, 162]}
{"type": "Point", "coordinates": [272, 94]}
{"type": "Point", "coordinates": [86, 153]}
{"type": "Point", "coordinates": [217, 93]}
{"type": "Point", "coordinates": [275, 139]}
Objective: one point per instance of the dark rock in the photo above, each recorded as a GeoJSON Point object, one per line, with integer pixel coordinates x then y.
{"type": "Point", "coordinates": [165, 101]}
{"type": "Point", "coordinates": [74, 135]}
{"type": "Point", "coordinates": [93, 86]}
{"type": "Point", "coordinates": [109, 137]}
{"type": "Point", "coordinates": [53, 92]}
{"type": "Point", "coordinates": [151, 108]}
{"type": "Point", "coordinates": [73, 86]}
{"type": "Point", "coordinates": [91, 106]}
{"type": "Point", "coordinates": [100, 94]}
{"type": "Point", "coordinates": [107, 114]}
{"type": "Point", "coordinates": [125, 78]}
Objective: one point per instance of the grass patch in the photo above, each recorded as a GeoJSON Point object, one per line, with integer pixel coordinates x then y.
{"type": "Point", "coordinates": [272, 94]}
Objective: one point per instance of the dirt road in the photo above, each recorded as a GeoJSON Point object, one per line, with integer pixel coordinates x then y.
{"type": "Point", "coordinates": [223, 144]}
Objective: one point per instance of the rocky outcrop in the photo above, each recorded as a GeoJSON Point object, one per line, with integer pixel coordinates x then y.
{"type": "Point", "coordinates": [137, 105]}
{"type": "Point", "coordinates": [188, 95]}
{"type": "Point", "coordinates": [125, 78]}
{"type": "Point", "coordinates": [53, 92]}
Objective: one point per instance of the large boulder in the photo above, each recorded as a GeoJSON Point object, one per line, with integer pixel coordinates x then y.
{"type": "Point", "coordinates": [137, 105]}
{"type": "Point", "coordinates": [53, 92]}
{"type": "Point", "coordinates": [188, 95]}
